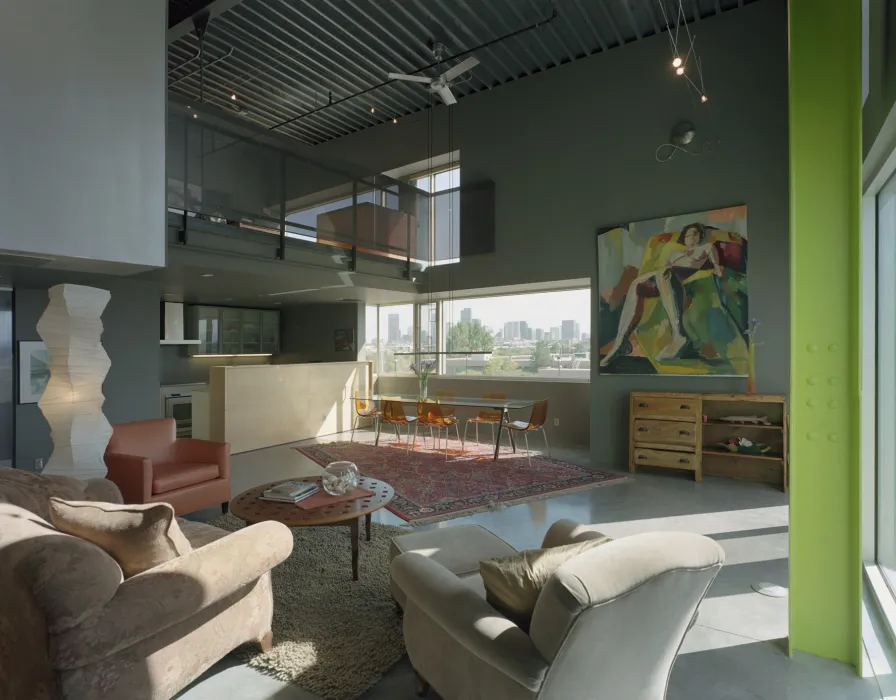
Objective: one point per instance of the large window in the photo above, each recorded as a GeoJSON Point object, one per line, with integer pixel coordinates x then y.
{"type": "Point", "coordinates": [444, 221]}
{"type": "Point", "coordinates": [543, 335]}
{"type": "Point", "coordinates": [886, 381]}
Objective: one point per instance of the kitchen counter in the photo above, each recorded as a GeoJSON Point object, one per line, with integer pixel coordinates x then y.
{"type": "Point", "coordinates": [257, 406]}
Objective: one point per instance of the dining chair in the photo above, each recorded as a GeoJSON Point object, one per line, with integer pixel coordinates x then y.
{"type": "Point", "coordinates": [365, 408]}
{"type": "Point", "coordinates": [537, 420]}
{"type": "Point", "coordinates": [393, 412]}
{"type": "Point", "coordinates": [488, 416]}
{"type": "Point", "coordinates": [434, 415]}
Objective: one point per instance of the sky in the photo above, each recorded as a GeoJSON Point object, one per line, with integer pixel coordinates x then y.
{"type": "Point", "coordinates": [539, 310]}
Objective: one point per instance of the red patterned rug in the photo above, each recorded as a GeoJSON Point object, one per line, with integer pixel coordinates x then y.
{"type": "Point", "coordinates": [429, 488]}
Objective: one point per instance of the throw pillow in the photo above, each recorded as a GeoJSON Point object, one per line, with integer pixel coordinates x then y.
{"type": "Point", "coordinates": [138, 537]}
{"type": "Point", "coordinates": [513, 583]}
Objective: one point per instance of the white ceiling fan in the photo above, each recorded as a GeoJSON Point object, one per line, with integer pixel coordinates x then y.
{"type": "Point", "coordinates": [441, 85]}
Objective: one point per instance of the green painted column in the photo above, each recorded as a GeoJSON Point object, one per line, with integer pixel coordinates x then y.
{"type": "Point", "coordinates": [825, 189]}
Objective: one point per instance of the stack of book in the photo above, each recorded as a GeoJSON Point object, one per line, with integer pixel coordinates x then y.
{"type": "Point", "coordinates": [290, 491]}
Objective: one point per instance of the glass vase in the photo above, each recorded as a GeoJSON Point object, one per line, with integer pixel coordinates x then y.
{"type": "Point", "coordinates": [340, 477]}
{"type": "Point", "coordinates": [424, 381]}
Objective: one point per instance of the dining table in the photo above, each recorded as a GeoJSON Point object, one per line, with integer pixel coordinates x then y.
{"type": "Point", "coordinates": [503, 405]}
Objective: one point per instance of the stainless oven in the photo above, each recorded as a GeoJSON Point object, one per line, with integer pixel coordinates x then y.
{"type": "Point", "coordinates": [178, 404]}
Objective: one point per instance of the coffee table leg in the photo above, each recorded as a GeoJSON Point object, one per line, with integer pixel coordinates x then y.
{"type": "Point", "coordinates": [368, 525]}
{"type": "Point", "coordinates": [355, 529]}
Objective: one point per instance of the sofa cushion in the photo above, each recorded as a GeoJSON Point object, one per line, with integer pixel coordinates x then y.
{"type": "Point", "coordinates": [139, 537]}
{"type": "Point", "coordinates": [176, 475]}
{"type": "Point", "coordinates": [69, 578]}
{"type": "Point", "coordinates": [459, 549]}
{"type": "Point", "coordinates": [513, 584]}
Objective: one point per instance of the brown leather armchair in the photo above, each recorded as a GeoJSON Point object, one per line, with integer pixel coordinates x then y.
{"type": "Point", "coordinates": [149, 463]}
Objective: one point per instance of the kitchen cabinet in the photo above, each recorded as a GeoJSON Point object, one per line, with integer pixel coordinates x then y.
{"type": "Point", "coordinates": [226, 330]}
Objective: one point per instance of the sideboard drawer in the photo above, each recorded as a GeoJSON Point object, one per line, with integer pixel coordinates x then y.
{"type": "Point", "coordinates": [665, 408]}
{"type": "Point", "coordinates": [665, 432]}
{"type": "Point", "coordinates": [660, 458]}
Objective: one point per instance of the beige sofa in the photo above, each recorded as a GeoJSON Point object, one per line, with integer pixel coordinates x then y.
{"type": "Point", "coordinates": [607, 625]}
{"type": "Point", "coordinates": [71, 628]}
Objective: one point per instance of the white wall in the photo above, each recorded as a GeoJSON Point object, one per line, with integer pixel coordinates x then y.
{"type": "Point", "coordinates": [82, 129]}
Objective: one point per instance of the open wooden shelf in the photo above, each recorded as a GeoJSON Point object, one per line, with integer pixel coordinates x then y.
{"type": "Point", "coordinates": [743, 425]}
{"type": "Point", "coordinates": [744, 455]}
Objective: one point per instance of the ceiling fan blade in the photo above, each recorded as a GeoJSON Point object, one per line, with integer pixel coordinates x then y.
{"type": "Point", "coordinates": [447, 96]}
{"type": "Point", "coordinates": [411, 78]}
{"type": "Point", "coordinates": [461, 67]}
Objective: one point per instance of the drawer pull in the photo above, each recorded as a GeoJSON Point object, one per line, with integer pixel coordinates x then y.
{"type": "Point", "coordinates": [643, 429]}
{"type": "Point", "coordinates": [642, 456]}
{"type": "Point", "coordinates": [642, 405]}
{"type": "Point", "coordinates": [685, 407]}
{"type": "Point", "coordinates": [684, 432]}
{"type": "Point", "coordinates": [684, 460]}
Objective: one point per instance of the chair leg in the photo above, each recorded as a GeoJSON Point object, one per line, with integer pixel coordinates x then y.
{"type": "Point", "coordinates": [408, 450]}
{"type": "Point", "coordinates": [547, 447]}
{"type": "Point", "coordinates": [464, 438]}
{"type": "Point", "coordinates": [225, 507]}
{"type": "Point", "coordinates": [397, 434]}
{"type": "Point", "coordinates": [414, 445]}
{"type": "Point", "coordinates": [354, 425]}
{"type": "Point", "coordinates": [266, 642]}
{"type": "Point", "coordinates": [457, 428]}
{"type": "Point", "coordinates": [526, 438]}
{"type": "Point", "coordinates": [477, 433]}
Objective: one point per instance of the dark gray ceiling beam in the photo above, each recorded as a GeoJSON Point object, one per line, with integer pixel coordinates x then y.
{"type": "Point", "coordinates": [512, 6]}
{"type": "Point", "coordinates": [603, 7]}
{"type": "Point", "coordinates": [556, 34]}
{"type": "Point", "coordinates": [518, 41]}
{"type": "Point", "coordinates": [587, 17]}
{"type": "Point", "coordinates": [696, 9]}
{"type": "Point", "coordinates": [631, 20]}
{"type": "Point", "coordinates": [513, 57]}
{"type": "Point", "coordinates": [181, 23]}
{"type": "Point", "coordinates": [648, 6]}
{"type": "Point", "coordinates": [570, 26]}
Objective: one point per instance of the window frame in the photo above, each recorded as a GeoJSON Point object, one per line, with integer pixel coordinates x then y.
{"type": "Point", "coordinates": [440, 341]}
{"type": "Point", "coordinates": [431, 175]}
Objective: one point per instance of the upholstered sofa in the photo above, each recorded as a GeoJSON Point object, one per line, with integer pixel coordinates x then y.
{"type": "Point", "coordinates": [150, 464]}
{"type": "Point", "coordinates": [607, 625]}
{"type": "Point", "coordinates": [70, 627]}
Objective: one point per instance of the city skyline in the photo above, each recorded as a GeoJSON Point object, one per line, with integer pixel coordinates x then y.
{"type": "Point", "coordinates": [545, 311]}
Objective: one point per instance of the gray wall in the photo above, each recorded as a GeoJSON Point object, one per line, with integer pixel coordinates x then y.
{"type": "Point", "coordinates": [572, 149]}
{"type": "Point", "coordinates": [308, 332]}
{"type": "Point", "coordinates": [82, 130]}
{"type": "Point", "coordinates": [131, 339]}
{"type": "Point", "coordinates": [177, 367]}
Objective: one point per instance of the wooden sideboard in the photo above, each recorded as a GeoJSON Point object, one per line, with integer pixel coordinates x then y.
{"type": "Point", "coordinates": [686, 431]}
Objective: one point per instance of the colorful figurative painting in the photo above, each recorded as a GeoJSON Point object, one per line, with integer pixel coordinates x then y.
{"type": "Point", "coordinates": [673, 295]}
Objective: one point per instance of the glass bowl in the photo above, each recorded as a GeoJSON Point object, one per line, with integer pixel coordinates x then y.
{"type": "Point", "coordinates": [340, 477]}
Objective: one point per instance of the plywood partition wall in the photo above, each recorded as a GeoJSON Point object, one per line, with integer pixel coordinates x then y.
{"type": "Point", "coordinates": [259, 406]}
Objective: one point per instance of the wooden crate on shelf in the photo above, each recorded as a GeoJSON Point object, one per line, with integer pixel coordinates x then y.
{"type": "Point", "coordinates": [687, 431]}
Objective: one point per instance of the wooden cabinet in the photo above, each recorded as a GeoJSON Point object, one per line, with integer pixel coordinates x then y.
{"type": "Point", "coordinates": [688, 431]}
{"type": "Point", "coordinates": [232, 331]}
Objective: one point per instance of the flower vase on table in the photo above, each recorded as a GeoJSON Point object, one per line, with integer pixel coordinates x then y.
{"type": "Point", "coordinates": [423, 370]}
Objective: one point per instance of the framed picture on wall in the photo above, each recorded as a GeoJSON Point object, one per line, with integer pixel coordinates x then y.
{"type": "Point", "coordinates": [34, 370]}
{"type": "Point", "coordinates": [345, 340]}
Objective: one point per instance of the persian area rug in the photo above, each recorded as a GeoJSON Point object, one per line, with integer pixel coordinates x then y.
{"type": "Point", "coordinates": [332, 636]}
{"type": "Point", "coordinates": [429, 487]}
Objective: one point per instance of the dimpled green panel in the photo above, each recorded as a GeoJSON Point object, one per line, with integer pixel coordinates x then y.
{"type": "Point", "coordinates": [825, 183]}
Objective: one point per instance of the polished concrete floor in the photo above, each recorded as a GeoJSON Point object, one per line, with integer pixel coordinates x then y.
{"type": "Point", "coordinates": [737, 649]}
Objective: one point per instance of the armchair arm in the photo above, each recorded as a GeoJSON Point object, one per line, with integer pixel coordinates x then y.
{"type": "Point", "coordinates": [132, 475]}
{"type": "Point", "coordinates": [566, 531]}
{"type": "Point", "coordinates": [468, 618]}
{"type": "Point", "coordinates": [173, 591]}
{"type": "Point", "coordinates": [196, 450]}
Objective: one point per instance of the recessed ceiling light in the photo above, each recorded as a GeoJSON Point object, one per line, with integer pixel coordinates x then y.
{"type": "Point", "coordinates": [233, 96]}
{"type": "Point", "coordinates": [195, 116]}
{"type": "Point", "coordinates": [372, 110]}
{"type": "Point", "coordinates": [206, 274]}
{"type": "Point", "coordinates": [704, 98]}
{"type": "Point", "coordinates": [394, 120]}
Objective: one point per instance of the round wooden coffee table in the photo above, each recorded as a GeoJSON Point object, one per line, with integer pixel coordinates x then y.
{"type": "Point", "coordinates": [249, 507]}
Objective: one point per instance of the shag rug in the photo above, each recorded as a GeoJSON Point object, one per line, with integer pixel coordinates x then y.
{"type": "Point", "coordinates": [332, 636]}
{"type": "Point", "coordinates": [430, 488]}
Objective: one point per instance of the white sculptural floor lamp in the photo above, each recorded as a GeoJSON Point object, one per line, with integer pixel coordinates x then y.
{"type": "Point", "coordinates": [72, 402]}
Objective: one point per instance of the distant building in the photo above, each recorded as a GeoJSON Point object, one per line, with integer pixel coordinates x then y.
{"type": "Point", "coordinates": [511, 331]}
{"type": "Point", "coordinates": [394, 329]}
{"type": "Point", "coordinates": [477, 321]}
{"type": "Point", "coordinates": [466, 315]}
{"type": "Point", "coordinates": [555, 334]}
{"type": "Point", "coordinates": [539, 334]}
{"type": "Point", "coordinates": [586, 337]}
{"type": "Point", "coordinates": [569, 330]}
{"type": "Point", "coordinates": [525, 331]}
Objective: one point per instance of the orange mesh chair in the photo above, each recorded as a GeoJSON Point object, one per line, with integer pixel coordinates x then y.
{"type": "Point", "coordinates": [433, 414]}
{"type": "Point", "coordinates": [488, 416]}
{"type": "Point", "coordinates": [536, 422]}
{"type": "Point", "coordinates": [393, 412]}
{"type": "Point", "coordinates": [365, 408]}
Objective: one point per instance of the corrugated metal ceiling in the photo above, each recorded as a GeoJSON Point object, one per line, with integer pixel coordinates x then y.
{"type": "Point", "coordinates": [281, 59]}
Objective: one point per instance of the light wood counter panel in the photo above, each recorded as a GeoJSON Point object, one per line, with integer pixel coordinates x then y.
{"type": "Point", "coordinates": [256, 406]}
